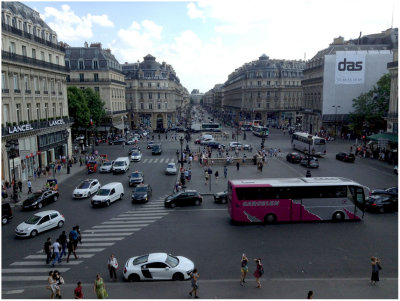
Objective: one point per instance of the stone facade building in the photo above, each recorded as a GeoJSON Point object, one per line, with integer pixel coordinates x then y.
{"type": "Point", "coordinates": [34, 95]}
{"type": "Point", "coordinates": [266, 89]}
{"type": "Point", "coordinates": [154, 94]}
{"type": "Point", "coordinates": [96, 68]}
{"type": "Point", "coordinates": [212, 100]}
{"type": "Point", "coordinates": [393, 114]}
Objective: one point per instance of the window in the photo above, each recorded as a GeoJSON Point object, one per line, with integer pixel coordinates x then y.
{"type": "Point", "coordinates": [42, 55]}
{"type": "Point", "coordinates": [159, 95]}
{"type": "Point", "coordinates": [166, 105]}
{"type": "Point", "coordinates": [18, 109]}
{"type": "Point", "coordinates": [23, 50]}
{"type": "Point", "coordinates": [6, 116]}
{"type": "Point", "coordinates": [27, 83]}
{"type": "Point", "coordinates": [141, 85]}
{"type": "Point", "coordinates": [12, 48]}
{"type": "Point", "coordinates": [60, 106]}
{"type": "Point", "coordinates": [150, 106]}
{"type": "Point", "coordinates": [46, 110]}
{"type": "Point", "coordinates": [4, 81]}
{"type": "Point", "coordinates": [44, 85]}
{"type": "Point", "coordinates": [80, 65]}
{"type": "Point", "coordinates": [150, 95]}
{"type": "Point", "coordinates": [34, 53]}
{"type": "Point", "coordinates": [141, 95]}
{"type": "Point", "coordinates": [97, 89]}
{"type": "Point", "coordinates": [54, 109]}
{"type": "Point", "coordinates": [165, 96]}
{"type": "Point", "coordinates": [57, 60]}
{"type": "Point", "coordinates": [81, 77]}
{"type": "Point", "coordinates": [158, 105]}
{"type": "Point", "coordinates": [28, 112]}
{"type": "Point", "coordinates": [149, 85]}
{"type": "Point", "coordinates": [16, 82]}
{"type": "Point", "coordinates": [156, 265]}
{"type": "Point", "coordinates": [158, 85]}
{"type": "Point", "coordinates": [96, 77]}
{"type": "Point", "coordinates": [52, 87]}
{"type": "Point", "coordinates": [141, 106]}
{"type": "Point", "coordinates": [95, 65]}
{"type": "Point", "coordinates": [259, 83]}
{"type": "Point", "coordinates": [67, 64]}
{"type": "Point", "coordinates": [35, 83]}
{"type": "Point", "coordinates": [50, 58]}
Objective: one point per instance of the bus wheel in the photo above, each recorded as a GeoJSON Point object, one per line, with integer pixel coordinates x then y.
{"type": "Point", "coordinates": [338, 216]}
{"type": "Point", "coordinates": [270, 219]}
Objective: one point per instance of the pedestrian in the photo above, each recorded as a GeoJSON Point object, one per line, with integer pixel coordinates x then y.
{"type": "Point", "coordinates": [29, 183]}
{"type": "Point", "coordinates": [186, 173]}
{"type": "Point", "coordinates": [20, 185]}
{"type": "Point", "coordinates": [189, 174]}
{"type": "Point", "coordinates": [237, 165]}
{"type": "Point", "coordinates": [71, 249]}
{"type": "Point", "coordinates": [225, 171]}
{"type": "Point", "coordinates": [244, 269]}
{"type": "Point", "coordinates": [99, 288]}
{"type": "Point", "coordinates": [206, 177]}
{"type": "Point", "coordinates": [258, 272]}
{"type": "Point", "coordinates": [73, 235]}
{"type": "Point", "coordinates": [78, 294]}
{"type": "Point", "coordinates": [79, 233]}
{"type": "Point", "coordinates": [51, 284]}
{"type": "Point", "coordinates": [39, 171]}
{"type": "Point", "coordinates": [63, 242]}
{"type": "Point", "coordinates": [59, 280]}
{"type": "Point", "coordinates": [194, 277]}
{"type": "Point", "coordinates": [375, 263]}
{"type": "Point", "coordinates": [56, 252]}
{"type": "Point", "coordinates": [261, 166]}
{"type": "Point", "coordinates": [47, 249]}
{"type": "Point", "coordinates": [112, 267]}
{"type": "Point", "coordinates": [310, 295]}
{"type": "Point", "coordinates": [123, 145]}
{"type": "Point", "coordinates": [216, 175]}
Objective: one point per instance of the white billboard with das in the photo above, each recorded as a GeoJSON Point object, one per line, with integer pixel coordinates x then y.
{"type": "Point", "coordinates": [350, 67]}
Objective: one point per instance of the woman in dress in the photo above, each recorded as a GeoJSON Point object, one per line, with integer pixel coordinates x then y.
{"type": "Point", "coordinates": [99, 288]}
{"type": "Point", "coordinates": [195, 286]}
{"type": "Point", "coordinates": [259, 272]}
{"type": "Point", "coordinates": [51, 284]}
{"type": "Point", "coordinates": [375, 270]}
{"type": "Point", "coordinates": [244, 269]}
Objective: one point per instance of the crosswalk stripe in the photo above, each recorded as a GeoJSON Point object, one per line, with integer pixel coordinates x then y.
{"type": "Point", "coordinates": [115, 230]}
{"type": "Point", "coordinates": [145, 160]}
{"type": "Point", "coordinates": [80, 249]}
{"type": "Point", "coordinates": [119, 226]}
{"type": "Point", "coordinates": [24, 278]}
{"type": "Point", "coordinates": [40, 263]}
{"type": "Point", "coordinates": [129, 218]}
{"type": "Point", "coordinates": [150, 160]}
{"type": "Point", "coordinates": [132, 221]}
{"type": "Point", "coordinates": [154, 205]}
{"type": "Point", "coordinates": [44, 256]}
{"type": "Point", "coordinates": [155, 160]}
{"type": "Point", "coordinates": [149, 210]}
{"type": "Point", "coordinates": [139, 217]}
{"type": "Point", "coordinates": [13, 292]}
{"type": "Point", "coordinates": [33, 270]}
{"type": "Point", "coordinates": [103, 239]}
{"type": "Point", "coordinates": [161, 160]}
{"type": "Point", "coordinates": [98, 244]}
{"type": "Point", "coordinates": [155, 214]}
{"type": "Point", "coordinates": [102, 235]}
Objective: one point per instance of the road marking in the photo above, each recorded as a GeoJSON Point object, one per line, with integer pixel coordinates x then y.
{"type": "Point", "coordinates": [85, 250]}
{"type": "Point", "coordinates": [139, 214]}
{"type": "Point", "coordinates": [150, 160]}
{"type": "Point", "coordinates": [102, 235]}
{"type": "Point", "coordinates": [115, 230]}
{"type": "Point", "coordinates": [44, 256]}
{"type": "Point", "coordinates": [103, 239]}
{"type": "Point", "coordinates": [152, 211]}
{"type": "Point", "coordinates": [130, 221]}
{"type": "Point", "coordinates": [161, 160]}
{"type": "Point", "coordinates": [39, 263]}
{"type": "Point", "coordinates": [98, 244]}
{"type": "Point", "coordinates": [155, 160]}
{"type": "Point", "coordinates": [13, 292]}
{"type": "Point", "coordinates": [153, 205]}
{"type": "Point", "coordinates": [137, 217]}
{"type": "Point", "coordinates": [119, 226]}
{"type": "Point", "coordinates": [34, 270]}
{"type": "Point", "coordinates": [142, 220]}
{"type": "Point", "coordinates": [189, 210]}
{"type": "Point", "coordinates": [24, 278]}
{"type": "Point", "coordinates": [145, 160]}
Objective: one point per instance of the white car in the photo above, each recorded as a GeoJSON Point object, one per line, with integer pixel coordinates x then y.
{"type": "Point", "coordinates": [86, 188]}
{"type": "Point", "coordinates": [158, 266]}
{"type": "Point", "coordinates": [136, 156]}
{"type": "Point", "coordinates": [40, 222]}
{"type": "Point", "coordinates": [132, 140]}
{"type": "Point", "coordinates": [171, 169]}
{"type": "Point", "coordinates": [234, 145]}
{"type": "Point", "coordinates": [106, 167]}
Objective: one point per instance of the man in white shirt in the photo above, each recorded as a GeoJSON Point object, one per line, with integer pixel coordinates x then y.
{"type": "Point", "coordinates": [56, 252]}
{"type": "Point", "coordinates": [113, 266]}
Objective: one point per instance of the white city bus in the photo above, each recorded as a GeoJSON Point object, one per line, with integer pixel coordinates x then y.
{"type": "Point", "coordinates": [304, 142]}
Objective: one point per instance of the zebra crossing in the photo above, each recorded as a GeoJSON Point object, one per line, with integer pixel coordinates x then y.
{"type": "Point", "coordinates": [159, 160]}
{"type": "Point", "coordinates": [116, 228]}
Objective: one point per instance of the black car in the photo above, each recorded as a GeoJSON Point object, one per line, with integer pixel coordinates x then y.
{"type": "Point", "coordinates": [156, 149]}
{"type": "Point", "coordinates": [136, 178]}
{"type": "Point", "coordinates": [183, 198]}
{"type": "Point", "coordinates": [117, 141]}
{"type": "Point", "coordinates": [39, 199]}
{"type": "Point", "coordinates": [141, 193]}
{"type": "Point", "coordinates": [214, 144]}
{"type": "Point", "coordinates": [392, 191]}
{"type": "Point", "coordinates": [6, 213]}
{"type": "Point", "coordinates": [381, 203]}
{"type": "Point", "coordinates": [294, 157]}
{"type": "Point", "coordinates": [345, 157]}
{"type": "Point", "coordinates": [221, 197]}
{"type": "Point", "coordinates": [133, 149]}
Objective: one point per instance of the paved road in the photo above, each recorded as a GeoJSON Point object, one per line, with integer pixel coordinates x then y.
{"type": "Point", "coordinates": [331, 259]}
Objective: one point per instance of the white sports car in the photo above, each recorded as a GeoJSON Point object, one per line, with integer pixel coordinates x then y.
{"type": "Point", "coordinates": [86, 188]}
{"type": "Point", "coordinates": [158, 266]}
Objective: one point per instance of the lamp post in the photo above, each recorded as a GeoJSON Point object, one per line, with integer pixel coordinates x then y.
{"type": "Point", "coordinates": [336, 109]}
{"type": "Point", "coordinates": [308, 174]}
{"type": "Point", "coordinates": [12, 147]}
{"type": "Point", "coordinates": [181, 170]}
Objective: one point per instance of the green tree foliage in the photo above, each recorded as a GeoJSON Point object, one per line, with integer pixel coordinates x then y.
{"type": "Point", "coordinates": [78, 107]}
{"type": "Point", "coordinates": [96, 106]}
{"type": "Point", "coordinates": [371, 107]}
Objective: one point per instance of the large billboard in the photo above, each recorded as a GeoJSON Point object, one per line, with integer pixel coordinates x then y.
{"type": "Point", "coordinates": [350, 67]}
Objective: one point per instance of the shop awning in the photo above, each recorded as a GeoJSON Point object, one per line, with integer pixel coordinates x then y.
{"type": "Point", "coordinates": [384, 136]}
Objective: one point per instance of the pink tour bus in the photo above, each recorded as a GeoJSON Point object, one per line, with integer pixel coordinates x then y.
{"type": "Point", "coordinates": [295, 199]}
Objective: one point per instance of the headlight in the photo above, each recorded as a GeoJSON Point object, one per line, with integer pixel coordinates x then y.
{"type": "Point", "coordinates": [145, 196]}
{"type": "Point", "coordinates": [34, 203]}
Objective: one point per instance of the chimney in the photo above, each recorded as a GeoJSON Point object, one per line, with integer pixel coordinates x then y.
{"type": "Point", "coordinates": [338, 41]}
{"type": "Point", "coordinates": [85, 44]}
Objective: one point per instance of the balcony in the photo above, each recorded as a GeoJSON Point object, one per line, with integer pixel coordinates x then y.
{"type": "Point", "coordinates": [16, 31]}
{"type": "Point", "coordinates": [27, 91]}
{"type": "Point", "coordinates": [97, 81]}
{"type": "Point", "coordinates": [46, 92]}
{"type": "Point", "coordinates": [5, 90]}
{"type": "Point", "coordinates": [392, 64]}
{"type": "Point", "coordinates": [17, 91]}
{"type": "Point", "coordinates": [8, 56]}
{"type": "Point", "coordinates": [37, 92]}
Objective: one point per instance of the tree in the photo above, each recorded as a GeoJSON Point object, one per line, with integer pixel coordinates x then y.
{"type": "Point", "coordinates": [78, 107]}
{"type": "Point", "coordinates": [371, 107]}
{"type": "Point", "coordinates": [96, 106]}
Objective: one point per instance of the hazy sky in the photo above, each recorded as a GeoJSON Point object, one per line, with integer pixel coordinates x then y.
{"type": "Point", "coordinates": [207, 40]}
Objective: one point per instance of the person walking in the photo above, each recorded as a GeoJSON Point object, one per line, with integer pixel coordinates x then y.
{"type": "Point", "coordinates": [194, 277]}
{"type": "Point", "coordinates": [73, 235]}
{"type": "Point", "coordinates": [206, 177]}
{"type": "Point", "coordinates": [99, 288]}
{"type": "Point", "coordinates": [112, 267]}
{"type": "Point", "coordinates": [78, 294]}
{"type": "Point", "coordinates": [56, 252]}
{"type": "Point", "coordinates": [216, 176]}
{"type": "Point", "coordinates": [71, 249]}
{"type": "Point", "coordinates": [29, 183]}
{"type": "Point", "coordinates": [59, 280]}
{"type": "Point", "coordinates": [63, 242]}
{"type": "Point", "coordinates": [51, 284]}
{"type": "Point", "coordinates": [244, 269]}
{"type": "Point", "coordinates": [47, 249]}
{"type": "Point", "coordinates": [225, 171]}
{"type": "Point", "coordinates": [375, 264]}
{"type": "Point", "coordinates": [258, 272]}
{"type": "Point", "coordinates": [20, 185]}
{"type": "Point", "coordinates": [237, 165]}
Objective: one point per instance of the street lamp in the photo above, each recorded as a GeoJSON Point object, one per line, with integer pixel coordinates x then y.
{"type": "Point", "coordinates": [336, 109]}
{"type": "Point", "coordinates": [12, 148]}
{"type": "Point", "coordinates": [182, 174]}
{"type": "Point", "coordinates": [308, 174]}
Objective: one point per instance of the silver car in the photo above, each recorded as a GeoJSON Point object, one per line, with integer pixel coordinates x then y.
{"type": "Point", "coordinates": [171, 169]}
{"type": "Point", "coordinates": [106, 167]}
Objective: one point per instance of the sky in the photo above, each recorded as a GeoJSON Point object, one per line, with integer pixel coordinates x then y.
{"type": "Point", "coordinates": [207, 40]}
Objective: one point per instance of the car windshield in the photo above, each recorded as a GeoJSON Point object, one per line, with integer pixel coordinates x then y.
{"type": "Point", "coordinates": [119, 163]}
{"type": "Point", "coordinates": [107, 164]}
{"type": "Point", "coordinates": [32, 220]}
{"type": "Point", "coordinates": [135, 154]}
{"type": "Point", "coordinates": [84, 185]}
{"type": "Point", "coordinates": [103, 192]}
{"type": "Point", "coordinates": [136, 175]}
{"type": "Point", "coordinates": [172, 261]}
{"type": "Point", "coordinates": [319, 141]}
{"type": "Point", "coordinates": [171, 165]}
{"type": "Point", "coordinates": [34, 197]}
{"type": "Point", "coordinates": [141, 189]}
{"type": "Point", "coordinates": [140, 260]}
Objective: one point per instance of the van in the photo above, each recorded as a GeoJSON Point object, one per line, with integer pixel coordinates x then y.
{"type": "Point", "coordinates": [121, 165]}
{"type": "Point", "coordinates": [108, 194]}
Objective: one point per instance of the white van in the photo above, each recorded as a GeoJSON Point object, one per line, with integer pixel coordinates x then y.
{"type": "Point", "coordinates": [121, 165]}
{"type": "Point", "coordinates": [108, 194]}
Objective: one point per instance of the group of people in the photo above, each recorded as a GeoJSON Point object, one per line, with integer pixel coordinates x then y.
{"type": "Point", "coordinates": [245, 269]}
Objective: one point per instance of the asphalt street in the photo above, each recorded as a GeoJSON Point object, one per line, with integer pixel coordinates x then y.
{"type": "Point", "coordinates": [332, 259]}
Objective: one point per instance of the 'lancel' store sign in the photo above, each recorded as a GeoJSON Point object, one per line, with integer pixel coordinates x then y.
{"type": "Point", "coordinates": [28, 127]}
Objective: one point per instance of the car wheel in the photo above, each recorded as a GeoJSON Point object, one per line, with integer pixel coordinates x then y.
{"type": "Point", "coordinates": [55, 198]}
{"type": "Point", "coordinates": [121, 196]}
{"type": "Point", "coordinates": [178, 277]}
{"type": "Point", "coordinates": [108, 203]}
{"type": "Point", "coordinates": [40, 205]}
{"type": "Point", "coordinates": [381, 210]}
{"type": "Point", "coordinates": [224, 201]}
{"type": "Point", "coordinates": [34, 233]}
{"type": "Point", "coordinates": [60, 224]}
{"type": "Point", "coordinates": [133, 278]}
{"type": "Point", "coordinates": [338, 216]}
{"type": "Point", "coordinates": [4, 220]}
{"type": "Point", "coordinates": [172, 205]}
{"type": "Point", "coordinates": [270, 219]}
{"type": "Point", "coordinates": [197, 202]}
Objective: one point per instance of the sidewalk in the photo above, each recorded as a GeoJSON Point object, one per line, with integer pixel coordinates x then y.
{"type": "Point", "coordinates": [39, 183]}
